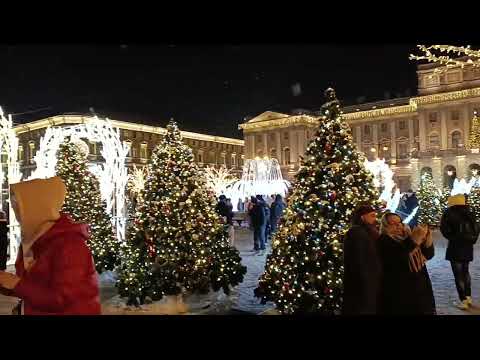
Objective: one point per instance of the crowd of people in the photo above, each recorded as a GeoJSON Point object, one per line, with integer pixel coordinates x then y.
{"type": "Point", "coordinates": [385, 266]}
{"type": "Point", "coordinates": [262, 215]}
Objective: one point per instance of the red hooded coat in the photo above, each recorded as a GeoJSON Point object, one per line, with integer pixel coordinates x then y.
{"type": "Point", "coordinates": [63, 280]}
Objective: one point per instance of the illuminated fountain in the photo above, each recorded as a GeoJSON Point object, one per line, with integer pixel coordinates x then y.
{"type": "Point", "coordinates": [260, 176]}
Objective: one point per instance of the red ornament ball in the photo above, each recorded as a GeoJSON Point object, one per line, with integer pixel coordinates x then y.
{"type": "Point", "coordinates": [333, 195]}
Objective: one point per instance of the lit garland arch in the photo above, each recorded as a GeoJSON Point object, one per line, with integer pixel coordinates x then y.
{"type": "Point", "coordinates": [9, 145]}
{"type": "Point", "coordinates": [112, 174]}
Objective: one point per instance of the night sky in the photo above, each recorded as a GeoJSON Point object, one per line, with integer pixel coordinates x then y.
{"type": "Point", "coordinates": [206, 88]}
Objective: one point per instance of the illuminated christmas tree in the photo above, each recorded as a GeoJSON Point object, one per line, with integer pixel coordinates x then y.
{"type": "Point", "coordinates": [430, 209]}
{"type": "Point", "coordinates": [474, 139]}
{"type": "Point", "coordinates": [473, 199]}
{"type": "Point", "coordinates": [446, 193]}
{"type": "Point", "coordinates": [84, 204]}
{"type": "Point", "coordinates": [178, 243]}
{"type": "Point", "coordinates": [304, 273]}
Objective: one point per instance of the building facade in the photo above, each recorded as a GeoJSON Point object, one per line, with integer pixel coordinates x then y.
{"type": "Point", "coordinates": [208, 150]}
{"type": "Point", "coordinates": [428, 132]}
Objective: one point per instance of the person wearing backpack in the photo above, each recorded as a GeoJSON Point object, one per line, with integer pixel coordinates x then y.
{"type": "Point", "coordinates": [459, 226]}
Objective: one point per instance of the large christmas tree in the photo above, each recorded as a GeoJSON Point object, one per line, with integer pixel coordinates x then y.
{"type": "Point", "coordinates": [304, 273]}
{"type": "Point", "coordinates": [178, 242]}
{"type": "Point", "coordinates": [429, 200]}
{"type": "Point", "coordinates": [84, 204]}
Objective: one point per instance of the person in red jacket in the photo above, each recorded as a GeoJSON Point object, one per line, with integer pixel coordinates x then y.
{"type": "Point", "coordinates": [55, 273]}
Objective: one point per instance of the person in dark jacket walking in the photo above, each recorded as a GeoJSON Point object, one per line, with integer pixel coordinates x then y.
{"type": "Point", "coordinates": [406, 288]}
{"type": "Point", "coordinates": [3, 241]}
{"type": "Point", "coordinates": [266, 210]}
{"type": "Point", "coordinates": [362, 264]}
{"type": "Point", "coordinates": [459, 226]}
{"type": "Point", "coordinates": [276, 211]}
{"type": "Point", "coordinates": [257, 214]}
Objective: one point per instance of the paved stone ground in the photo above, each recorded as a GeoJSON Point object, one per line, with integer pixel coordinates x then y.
{"type": "Point", "coordinates": [242, 300]}
{"type": "Point", "coordinates": [443, 283]}
{"type": "Point", "coordinates": [255, 265]}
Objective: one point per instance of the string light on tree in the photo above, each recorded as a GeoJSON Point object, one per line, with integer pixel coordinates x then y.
{"type": "Point", "coordinates": [440, 54]}
{"type": "Point", "coordinates": [474, 138]}
{"type": "Point", "coordinates": [178, 243]}
{"type": "Point", "coordinates": [429, 200]}
{"type": "Point", "coordinates": [218, 180]}
{"type": "Point", "coordinates": [304, 273]}
{"type": "Point", "coordinates": [84, 204]}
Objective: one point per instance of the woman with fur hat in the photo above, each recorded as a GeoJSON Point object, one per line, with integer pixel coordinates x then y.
{"type": "Point", "coordinates": [55, 273]}
{"type": "Point", "coordinates": [460, 228]}
{"type": "Point", "coordinates": [406, 286]}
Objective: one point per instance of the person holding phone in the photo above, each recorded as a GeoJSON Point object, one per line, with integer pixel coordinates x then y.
{"type": "Point", "coordinates": [406, 288]}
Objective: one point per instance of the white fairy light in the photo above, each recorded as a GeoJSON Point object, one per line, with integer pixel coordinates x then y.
{"type": "Point", "coordinates": [9, 142]}
{"type": "Point", "coordinates": [218, 180]}
{"type": "Point", "coordinates": [470, 57]}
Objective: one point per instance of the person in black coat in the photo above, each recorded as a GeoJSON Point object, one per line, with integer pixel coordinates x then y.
{"type": "Point", "coordinates": [406, 288]}
{"type": "Point", "coordinates": [225, 210]}
{"type": "Point", "coordinates": [3, 241]}
{"type": "Point", "coordinates": [459, 226]}
{"type": "Point", "coordinates": [276, 211]}
{"type": "Point", "coordinates": [257, 214]}
{"type": "Point", "coordinates": [362, 264]}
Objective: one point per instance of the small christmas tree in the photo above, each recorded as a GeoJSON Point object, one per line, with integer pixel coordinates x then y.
{"type": "Point", "coordinates": [474, 139]}
{"type": "Point", "coordinates": [304, 273]}
{"type": "Point", "coordinates": [429, 201]}
{"type": "Point", "coordinates": [446, 193]}
{"type": "Point", "coordinates": [178, 242]}
{"type": "Point", "coordinates": [84, 204]}
{"type": "Point", "coordinates": [473, 200]}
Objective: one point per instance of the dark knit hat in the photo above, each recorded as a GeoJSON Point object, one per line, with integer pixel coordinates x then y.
{"type": "Point", "coordinates": [364, 209]}
{"type": "Point", "coordinates": [359, 212]}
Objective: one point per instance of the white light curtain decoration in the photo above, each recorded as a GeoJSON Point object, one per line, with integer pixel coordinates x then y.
{"type": "Point", "coordinates": [440, 54]}
{"type": "Point", "coordinates": [383, 178]}
{"type": "Point", "coordinates": [9, 144]}
{"type": "Point", "coordinates": [219, 180]}
{"type": "Point", "coordinates": [112, 174]}
{"type": "Point", "coordinates": [259, 177]}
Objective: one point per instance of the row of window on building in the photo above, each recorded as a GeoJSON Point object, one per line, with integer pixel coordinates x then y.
{"type": "Point", "coordinates": [143, 153]}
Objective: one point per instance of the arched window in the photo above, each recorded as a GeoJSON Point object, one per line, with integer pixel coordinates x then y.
{"type": "Point", "coordinates": [456, 139]}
